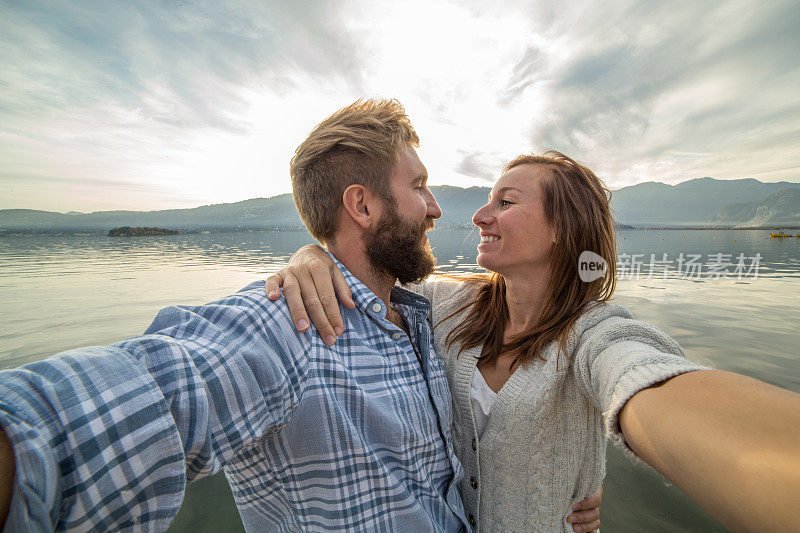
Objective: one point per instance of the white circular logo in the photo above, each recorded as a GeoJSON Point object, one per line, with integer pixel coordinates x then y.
{"type": "Point", "coordinates": [591, 266]}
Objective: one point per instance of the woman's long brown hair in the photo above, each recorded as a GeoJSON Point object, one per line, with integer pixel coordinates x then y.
{"type": "Point", "coordinates": [577, 206]}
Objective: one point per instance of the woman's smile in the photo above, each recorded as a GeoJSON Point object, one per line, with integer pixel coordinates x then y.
{"type": "Point", "coordinates": [487, 238]}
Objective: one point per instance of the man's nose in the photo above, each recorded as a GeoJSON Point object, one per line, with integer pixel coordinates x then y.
{"type": "Point", "coordinates": [434, 211]}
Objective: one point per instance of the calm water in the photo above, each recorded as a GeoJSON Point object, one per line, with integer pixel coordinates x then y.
{"type": "Point", "coordinates": [63, 292]}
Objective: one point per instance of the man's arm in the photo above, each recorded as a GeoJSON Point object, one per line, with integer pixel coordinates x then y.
{"type": "Point", "coordinates": [731, 442]}
{"type": "Point", "coordinates": [6, 476]}
{"type": "Point", "coordinates": [106, 437]}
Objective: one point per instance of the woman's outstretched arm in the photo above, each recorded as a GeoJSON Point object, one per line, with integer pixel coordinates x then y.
{"type": "Point", "coordinates": [731, 442]}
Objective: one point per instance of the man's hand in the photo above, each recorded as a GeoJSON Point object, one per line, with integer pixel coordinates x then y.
{"type": "Point", "coordinates": [7, 467]}
{"type": "Point", "coordinates": [586, 513]}
{"type": "Point", "coordinates": [311, 284]}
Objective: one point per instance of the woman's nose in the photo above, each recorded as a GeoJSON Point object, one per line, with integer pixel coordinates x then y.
{"type": "Point", "coordinates": [481, 216]}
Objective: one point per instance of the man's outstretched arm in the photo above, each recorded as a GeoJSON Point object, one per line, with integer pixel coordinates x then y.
{"type": "Point", "coordinates": [106, 437]}
{"type": "Point", "coordinates": [6, 476]}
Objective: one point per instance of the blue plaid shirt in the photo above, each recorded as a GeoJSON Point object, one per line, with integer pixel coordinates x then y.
{"type": "Point", "coordinates": [352, 436]}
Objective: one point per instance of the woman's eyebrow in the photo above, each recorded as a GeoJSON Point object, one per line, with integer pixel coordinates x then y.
{"type": "Point", "coordinates": [504, 189]}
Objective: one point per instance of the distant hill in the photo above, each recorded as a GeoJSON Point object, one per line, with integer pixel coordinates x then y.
{"type": "Point", "coordinates": [459, 204]}
{"type": "Point", "coordinates": [698, 202]}
{"type": "Point", "coordinates": [693, 202]}
{"type": "Point", "coordinates": [277, 212]}
{"type": "Point", "coordinates": [781, 208]}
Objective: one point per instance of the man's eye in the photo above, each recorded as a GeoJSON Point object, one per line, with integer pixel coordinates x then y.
{"type": "Point", "coordinates": [504, 203]}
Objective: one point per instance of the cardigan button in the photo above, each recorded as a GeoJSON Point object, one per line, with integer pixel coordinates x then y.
{"type": "Point", "coordinates": [472, 521]}
{"type": "Point", "coordinates": [473, 483]}
{"type": "Point", "coordinates": [474, 444]}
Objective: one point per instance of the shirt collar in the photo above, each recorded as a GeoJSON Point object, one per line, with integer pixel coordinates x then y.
{"type": "Point", "coordinates": [368, 303]}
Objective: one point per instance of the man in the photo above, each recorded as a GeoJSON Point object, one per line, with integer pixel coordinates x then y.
{"type": "Point", "coordinates": [352, 436]}
{"type": "Point", "coordinates": [312, 435]}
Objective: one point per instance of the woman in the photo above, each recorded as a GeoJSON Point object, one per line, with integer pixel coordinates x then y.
{"type": "Point", "coordinates": [541, 369]}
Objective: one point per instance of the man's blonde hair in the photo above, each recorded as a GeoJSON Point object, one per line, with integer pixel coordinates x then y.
{"type": "Point", "coordinates": [358, 144]}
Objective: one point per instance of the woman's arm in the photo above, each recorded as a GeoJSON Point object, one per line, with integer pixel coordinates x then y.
{"type": "Point", "coordinates": [731, 442]}
{"type": "Point", "coordinates": [312, 286]}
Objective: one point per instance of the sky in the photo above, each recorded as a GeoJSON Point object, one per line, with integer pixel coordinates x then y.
{"type": "Point", "coordinates": [172, 104]}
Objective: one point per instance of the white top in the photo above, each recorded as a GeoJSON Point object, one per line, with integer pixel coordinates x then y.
{"type": "Point", "coordinates": [482, 397]}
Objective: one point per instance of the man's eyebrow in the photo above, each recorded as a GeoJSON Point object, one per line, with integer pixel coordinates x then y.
{"type": "Point", "coordinates": [420, 178]}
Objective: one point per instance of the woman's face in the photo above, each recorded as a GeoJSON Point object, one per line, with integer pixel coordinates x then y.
{"type": "Point", "coordinates": [515, 234]}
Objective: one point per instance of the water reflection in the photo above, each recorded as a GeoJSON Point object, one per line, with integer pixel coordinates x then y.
{"type": "Point", "coordinates": [62, 292]}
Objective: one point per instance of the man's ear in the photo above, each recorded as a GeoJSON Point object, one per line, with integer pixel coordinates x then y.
{"type": "Point", "coordinates": [361, 205]}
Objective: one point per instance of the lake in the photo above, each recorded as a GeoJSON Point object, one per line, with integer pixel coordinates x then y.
{"type": "Point", "coordinates": [61, 292]}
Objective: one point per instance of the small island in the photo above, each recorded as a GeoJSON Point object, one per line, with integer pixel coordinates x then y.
{"type": "Point", "coordinates": [127, 231]}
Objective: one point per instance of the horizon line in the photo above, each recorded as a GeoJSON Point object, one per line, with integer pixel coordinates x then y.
{"type": "Point", "coordinates": [432, 186]}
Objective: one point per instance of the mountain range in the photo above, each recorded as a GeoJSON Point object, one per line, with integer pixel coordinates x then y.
{"type": "Point", "coordinates": [781, 208]}
{"type": "Point", "coordinates": [697, 202]}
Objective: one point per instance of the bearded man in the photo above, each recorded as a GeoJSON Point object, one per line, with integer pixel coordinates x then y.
{"type": "Point", "coordinates": [312, 436]}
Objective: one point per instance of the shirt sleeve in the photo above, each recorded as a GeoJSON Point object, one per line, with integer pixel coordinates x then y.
{"type": "Point", "coordinates": [105, 438]}
{"type": "Point", "coordinates": [618, 357]}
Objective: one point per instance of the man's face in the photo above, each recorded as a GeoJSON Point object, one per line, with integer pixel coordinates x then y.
{"type": "Point", "coordinates": [398, 244]}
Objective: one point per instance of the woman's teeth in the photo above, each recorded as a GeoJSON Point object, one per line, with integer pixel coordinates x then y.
{"type": "Point", "coordinates": [489, 238]}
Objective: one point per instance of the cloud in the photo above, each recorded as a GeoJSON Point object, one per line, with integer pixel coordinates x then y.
{"type": "Point", "coordinates": [124, 90]}
{"type": "Point", "coordinates": [198, 102]}
{"type": "Point", "coordinates": [479, 165]}
{"type": "Point", "coordinates": [179, 63]}
{"type": "Point", "coordinates": [523, 74]}
{"type": "Point", "coordinates": [645, 81]}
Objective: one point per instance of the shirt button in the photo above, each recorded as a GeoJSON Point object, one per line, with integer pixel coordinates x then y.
{"type": "Point", "coordinates": [472, 521]}
{"type": "Point", "coordinates": [473, 483]}
{"type": "Point", "coordinates": [396, 335]}
{"type": "Point", "coordinates": [376, 307]}
{"type": "Point", "coordinates": [474, 444]}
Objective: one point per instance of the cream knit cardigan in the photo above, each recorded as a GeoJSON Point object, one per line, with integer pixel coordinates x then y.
{"type": "Point", "coordinates": [544, 444]}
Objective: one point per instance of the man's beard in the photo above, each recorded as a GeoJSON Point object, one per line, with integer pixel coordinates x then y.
{"type": "Point", "coordinates": [399, 248]}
